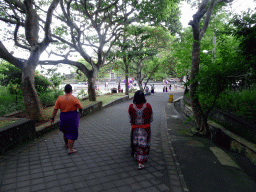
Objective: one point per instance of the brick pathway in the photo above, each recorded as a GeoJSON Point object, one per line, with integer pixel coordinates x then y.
{"type": "Point", "coordinates": [103, 161]}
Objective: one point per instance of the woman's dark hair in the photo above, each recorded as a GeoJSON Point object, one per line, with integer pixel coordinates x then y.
{"type": "Point", "coordinates": [139, 97]}
{"type": "Point", "coordinates": [68, 88]}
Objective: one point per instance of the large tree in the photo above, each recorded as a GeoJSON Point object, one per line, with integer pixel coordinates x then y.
{"type": "Point", "coordinates": [93, 27]}
{"type": "Point", "coordinates": [204, 12]}
{"type": "Point", "coordinates": [142, 45]}
{"type": "Point", "coordinates": [25, 15]}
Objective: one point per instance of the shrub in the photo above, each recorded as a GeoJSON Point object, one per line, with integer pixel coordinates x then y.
{"type": "Point", "coordinates": [49, 97]}
{"type": "Point", "coordinates": [8, 102]}
{"type": "Point", "coordinates": [81, 93]}
{"type": "Point", "coordinates": [241, 103]}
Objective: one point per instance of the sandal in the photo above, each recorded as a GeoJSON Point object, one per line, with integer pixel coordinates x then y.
{"type": "Point", "coordinates": [141, 166]}
{"type": "Point", "coordinates": [72, 151]}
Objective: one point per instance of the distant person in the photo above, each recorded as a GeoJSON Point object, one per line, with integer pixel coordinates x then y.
{"type": "Point", "coordinates": [170, 87]}
{"type": "Point", "coordinates": [69, 118]}
{"type": "Point", "coordinates": [147, 90]}
{"type": "Point", "coordinates": [119, 88]}
{"type": "Point", "coordinates": [141, 115]}
{"type": "Point", "coordinates": [153, 89]}
{"type": "Point", "coordinates": [164, 89]}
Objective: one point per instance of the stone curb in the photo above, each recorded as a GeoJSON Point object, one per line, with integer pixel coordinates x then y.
{"type": "Point", "coordinates": [227, 139]}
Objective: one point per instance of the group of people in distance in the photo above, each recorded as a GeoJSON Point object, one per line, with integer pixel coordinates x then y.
{"type": "Point", "coordinates": [140, 113]}
{"type": "Point", "coordinates": [165, 88]}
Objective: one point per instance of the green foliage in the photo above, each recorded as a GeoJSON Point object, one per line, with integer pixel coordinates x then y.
{"type": "Point", "coordinates": [8, 102]}
{"type": "Point", "coordinates": [41, 83]}
{"type": "Point", "coordinates": [9, 74]}
{"type": "Point", "coordinates": [241, 103]}
{"type": "Point", "coordinates": [55, 78]}
{"type": "Point", "coordinates": [243, 27]}
{"type": "Point", "coordinates": [49, 97]}
{"type": "Point", "coordinates": [11, 77]}
{"type": "Point", "coordinates": [82, 93]}
{"type": "Point", "coordinates": [182, 52]}
{"type": "Point", "coordinates": [158, 11]}
{"type": "Point", "coordinates": [144, 45]}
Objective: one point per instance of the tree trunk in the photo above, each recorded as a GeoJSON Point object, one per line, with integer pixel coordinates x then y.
{"type": "Point", "coordinates": [91, 83]}
{"type": "Point", "coordinates": [140, 84]}
{"type": "Point", "coordinates": [200, 117]}
{"type": "Point", "coordinates": [126, 77]}
{"type": "Point", "coordinates": [31, 100]}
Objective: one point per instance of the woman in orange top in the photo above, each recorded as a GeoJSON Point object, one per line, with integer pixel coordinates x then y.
{"type": "Point", "coordinates": [141, 115]}
{"type": "Point", "coordinates": [69, 118]}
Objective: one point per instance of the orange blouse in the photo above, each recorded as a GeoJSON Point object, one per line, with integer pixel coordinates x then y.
{"type": "Point", "coordinates": [67, 103]}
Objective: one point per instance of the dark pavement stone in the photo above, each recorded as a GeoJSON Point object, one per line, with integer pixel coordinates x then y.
{"type": "Point", "coordinates": [152, 189]}
{"type": "Point", "coordinates": [23, 184]}
{"type": "Point", "coordinates": [23, 189]}
{"type": "Point", "coordinates": [8, 187]}
{"type": "Point", "coordinates": [37, 181]}
{"type": "Point", "coordinates": [51, 184]}
{"type": "Point", "coordinates": [38, 187]}
{"type": "Point", "coordinates": [54, 189]}
{"type": "Point", "coordinates": [163, 187]}
{"type": "Point", "coordinates": [69, 187]}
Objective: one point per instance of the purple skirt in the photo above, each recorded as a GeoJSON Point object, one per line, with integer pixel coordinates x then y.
{"type": "Point", "coordinates": [69, 122]}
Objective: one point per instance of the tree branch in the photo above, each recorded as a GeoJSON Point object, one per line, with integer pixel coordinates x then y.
{"type": "Point", "coordinates": [79, 65]}
{"type": "Point", "coordinates": [15, 36]}
{"type": "Point", "coordinates": [18, 4]}
{"type": "Point", "coordinates": [8, 57]}
{"type": "Point", "coordinates": [52, 7]}
{"type": "Point", "coordinates": [207, 19]}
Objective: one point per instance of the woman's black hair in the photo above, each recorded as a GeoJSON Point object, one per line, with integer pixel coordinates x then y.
{"type": "Point", "coordinates": [139, 97]}
{"type": "Point", "coordinates": [68, 88]}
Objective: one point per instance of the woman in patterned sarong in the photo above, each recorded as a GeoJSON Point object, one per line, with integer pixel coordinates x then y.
{"type": "Point", "coordinates": [141, 115]}
{"type": "Point", "coordinates": [69, 118]}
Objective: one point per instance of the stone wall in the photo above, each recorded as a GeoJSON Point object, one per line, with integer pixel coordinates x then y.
{"type": "Point", "coordinates": [125, 98]}
{"type": "Point", "coordinates": [186, 109]}
{"type": "Point", "coordinates": [15, 134]}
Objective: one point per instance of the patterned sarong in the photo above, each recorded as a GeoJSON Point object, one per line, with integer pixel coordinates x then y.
{"type": "Point", "coordinates": [69, 122]}
{"type": "Point", "coordinates": [140, 143]}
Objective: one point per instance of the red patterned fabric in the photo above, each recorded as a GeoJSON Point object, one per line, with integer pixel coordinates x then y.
{"type": "Point", "coordinates": [141, 115]}
{"type": "Point", "coordinates": [147, 115]}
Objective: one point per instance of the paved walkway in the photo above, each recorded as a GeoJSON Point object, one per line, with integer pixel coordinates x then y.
{"type": "Point", "coordinates": [103, 161]}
